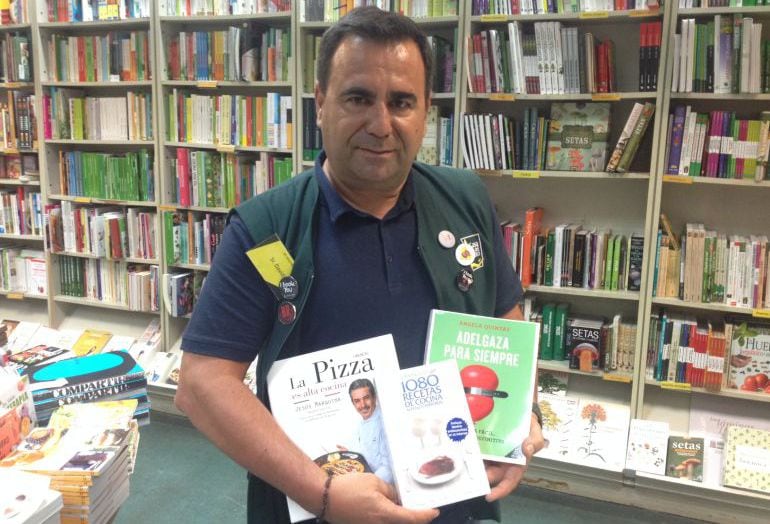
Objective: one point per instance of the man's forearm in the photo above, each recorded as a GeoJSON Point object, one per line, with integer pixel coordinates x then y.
{"type": "Point", "coordinates": [226, 411]}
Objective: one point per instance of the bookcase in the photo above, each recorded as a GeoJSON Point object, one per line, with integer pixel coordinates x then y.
{"type": "Point", "coordinates": [249, 65]}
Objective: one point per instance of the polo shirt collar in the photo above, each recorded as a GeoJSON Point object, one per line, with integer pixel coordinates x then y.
{"type": "Point", "coordinates": [337, 205]}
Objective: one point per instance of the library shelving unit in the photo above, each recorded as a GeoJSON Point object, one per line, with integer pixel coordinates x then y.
{"type": "Point", "coordinates": [226, 94]}
{"type": "Point", "coordinates": [723, 197]}
{"type": "Point", "coordinates": [20, 173]}
{"type": "Point", "coordinates": [95, 71]}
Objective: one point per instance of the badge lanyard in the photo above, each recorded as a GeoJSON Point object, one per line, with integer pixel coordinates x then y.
{"type": "Point", "coordinates": [275, 264]}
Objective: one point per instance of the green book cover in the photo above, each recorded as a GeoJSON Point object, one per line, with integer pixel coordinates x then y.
{"type": "Point", "coordinates": [608, 263]}
{"type": "Point", "coordinates": [685, 458]}
{"type": "Point", "coordinates": [498, 361]}
{"type": "Point", "coordinates": [616, 241]}
{"type": "Point", "coordinates": [560, 332]}
{"type": "Point", "coordinates": [550, 247]}
{"type": "Point", "coordinates": [546, 332]}
{"type": "Point", "coordinates": [577, 136]}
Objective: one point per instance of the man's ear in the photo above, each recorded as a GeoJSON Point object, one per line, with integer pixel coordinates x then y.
{"type": "Point", "coordinates": [319, 102]}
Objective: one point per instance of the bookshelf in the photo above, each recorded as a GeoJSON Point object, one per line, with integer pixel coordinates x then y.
{"type": "Point", "coordinates": [626, 203]}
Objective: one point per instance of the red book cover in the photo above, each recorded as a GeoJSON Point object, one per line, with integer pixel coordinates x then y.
{"type": "Point", "coordinates": [249, 121]}
{"type": "Point", "coordinates": [532, 221]}
{"type": "Point", "coordinates": [183, 174]}
{"type": "Point", "coordinates": [115, 247]}
{"type": "Point", "coordinates": [81, 58]}
{"type": "Point", "coordinates": [191, 58]}
{"type": "Point", "coordinates": [173, 58]}
{"type": "Point", "coordinates": [602, 75]}
{"type": "Point", "coordinates": [478, 77]}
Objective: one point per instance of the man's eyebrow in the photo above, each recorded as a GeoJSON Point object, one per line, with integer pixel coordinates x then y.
{"type": "Point", "coordinates": [403, 95]}
{"type": "Point", "coordinates": [358, 91]}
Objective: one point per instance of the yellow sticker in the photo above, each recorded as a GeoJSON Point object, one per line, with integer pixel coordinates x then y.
{"type": "Point", "coordinates": [525, 174]}
{"type": "Point", "coordinates": [761, 313]}
{"type": "Point", "coordinates": [16, 296]}
{"type": "Point", "coordinates": [82, 200]}
{"type": "Point", "coordinates": [594, 14]}
{"type": "Point", "coordinates": [677, 179]}
{"type": "Point", "coordinates": [678, 386]}
{"type": "Point", "coordinates": [272, 260]}
{"type": "Point", "coordinates": [644, 12]}
{"type": "Point", "coordinates": [206, 84]}
{"type": "Point", "coordinates": [494, 18]}
{"type": "Point", "coordinates": [502, 97]}
{"type": "Point", "coordinates": [612, 377]}
{"type": "Point", "coordinates": [226, 148]}
{"type": "Point", "coordinates": [605, 97]}
{"type": "Point", "coordinates": [167, 207]}
{"type": "Point", "coordinates": [11, 151]}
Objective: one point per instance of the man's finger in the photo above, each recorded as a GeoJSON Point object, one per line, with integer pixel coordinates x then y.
{"type": "Point", "coordinates": [504, 487]}
{"type": "Point", "coordinates": [413, 516]}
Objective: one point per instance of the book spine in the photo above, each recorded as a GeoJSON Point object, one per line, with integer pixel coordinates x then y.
{"type": "Point", "coordinates": [636, 137]}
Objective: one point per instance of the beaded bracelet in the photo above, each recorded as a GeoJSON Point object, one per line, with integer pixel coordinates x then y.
{"type": "Point", "coordinates": [325, 499]}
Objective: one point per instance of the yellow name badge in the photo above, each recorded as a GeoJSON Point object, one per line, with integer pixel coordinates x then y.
{"type": "Point", "coordinates": [272, 260]}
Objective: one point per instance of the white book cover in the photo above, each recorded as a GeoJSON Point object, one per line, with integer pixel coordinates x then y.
{"type": "Point", "coordinates": [22, 332]}
{"type": "Point", "coordinates": [161, 366]}
{"type": "Point", "coordinates": [435, 453]}
{"type": "Point", "coordinates": [600, 434]}
{"type": "Point", "coordinates": [647, 446]}
{"type": "Point", "coordinates": [327, 403]}
{"type": "Point", "coordinates": [559, 416]}
{"type": "Point", "coordinates": [118, 343]}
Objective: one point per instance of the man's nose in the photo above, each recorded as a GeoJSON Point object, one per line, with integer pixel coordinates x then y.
{"type": "Point", "coordinates": [378, 120]}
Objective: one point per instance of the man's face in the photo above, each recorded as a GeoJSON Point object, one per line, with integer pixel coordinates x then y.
{"type": "Point", "coordinates": [363, 401]}
{"type": "Point", "coordinates": [372, 115]}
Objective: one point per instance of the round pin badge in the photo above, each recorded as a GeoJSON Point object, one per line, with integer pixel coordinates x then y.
{"type": "Point", "coordinates": [446, 239]}
{"type": "Point", "coordinates": [464, 280]}
{"type": "Point", "coordinates": [289, 287]}
{"type": "Point", "coordinates": [465, 254]}
{"type": "Point", "coordinates": [287, 313]}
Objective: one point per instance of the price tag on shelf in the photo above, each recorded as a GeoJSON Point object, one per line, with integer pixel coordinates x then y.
{"type": "Point", "coordinates": [502, 97]}
{"type": "Point", "coordinates": [167, 207]}
{"type": "Point", "coordinates": [226, 148]}
{"type": "Point", "coordinates": [488, 172]}
{"type": "Point", "coordinates": [760, 313]}
{"type": "Point", "coordinates": [11, 151]}
{"type": "Point", "coordinates": [494, 18]}
{"type": "Point", "coordinates": [594, 14]}
{"type": "Point", "coordinates": [525, 174]}
{"type": "Point", "coordinates": [605, 97]}
{"type": "Point", "coordinates": [614, 377]}
{"type": "Point", "coordinates": [643, 12]}
{"type": "Point", "coordinates": [676, 386]}
{"type": "Point", "coordinates": [676, 179]}
{"type": "Point", "coordinates": [16, 296]}
{"type": "Point", "coordinates": [82, 200]}
{"type": "Point", "coordinates": [206, 84]}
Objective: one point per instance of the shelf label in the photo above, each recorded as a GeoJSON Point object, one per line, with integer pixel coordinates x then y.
{"type": "Point", "coordinates": [82, 200]}
{"type": "Point", "coordinates": [613, 377]}
{"type": "Point", "coordinates": [11, 151]}
{"type": "Point", "coordinates": [502, 97]}
{"type": "Point", "coordinates": [488, 172]}
{"type": "Point", "coordinates": [644, 12]}
{"type": "Point", "coordinates": [760, 313]}
{"type": "Point", "coordinates": [677, 179]}
{"type": "Point", "coordinates": [206, 84]}
{"type": "Point", "coordinates": [677, 386]}
{"type": "Point", "coordinates": [225, 148]}
{"type": "Point", "coordinates": [605, 97]}
{"type": "Point", "coordinates": [15, 296]}
{"type": "Point", "coordinates": [525, 174]}
{"type": "Point", "coordinates": [167, 207]}
{"type": "Point", "coordinates": [494, 18]}
{"type": "Point", "coordinates": [594, 14]}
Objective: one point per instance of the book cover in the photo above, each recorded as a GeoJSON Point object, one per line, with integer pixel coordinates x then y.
{"type": "Point", "coordinates": [600, 435]}
{"type": "Point", "coordinates": [435, 454]}
{"type": "Point", "coordinates": [497, 360]}
{"type": "Point", "coordinates": [577, 136]}
{"type": "Point", "coordinates": [90, 342]}
{"type": "Point", "coordinates": [647, 446]}
{"type": "Point", "coordinates": [327, 403]}
{"type": "Point", "coordinates": [747, 458]}
{"type": "Point", "coordinates": [684, 458]}
{"type": "Point", "coordinates": [559, 416]}
{"type": "Point", "coordinates": [584, 347]}
{"type": "Point", "coordinates": [750, 357]}
{"type": "Point", "coordinates": [17, 412]}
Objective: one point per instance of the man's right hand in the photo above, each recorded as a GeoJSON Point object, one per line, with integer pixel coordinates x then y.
{"type": "Point", "coordinates": [363, 497]}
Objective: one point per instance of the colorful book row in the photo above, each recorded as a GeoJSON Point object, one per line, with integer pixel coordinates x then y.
{"type": "Point", "coordinates": [535, 7]}
{"type": "Point", "coordinates": [192, 238]}
{"type": "Point", "coordinates": [15, 58]}
{"type": "Point", "coordinates": [333, 10]}
{"type": "Point", "coordinates": [225, 7]}
{"type": "Point", "coordinates": [18, 125]}
{"type": "Point", "coordinates": [90, 10]}
{"type": "Point", "coordinates": [23, 270]}
{"type": "Point", "coordinates": [21, 212]}
{"type": "Point", "coordinates": [100, 58]}
{"type": "Point", "coordinates": [122, 176]}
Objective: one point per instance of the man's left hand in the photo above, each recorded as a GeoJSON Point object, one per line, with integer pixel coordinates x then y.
{"type": "Point", "coordinates": [504, 477]}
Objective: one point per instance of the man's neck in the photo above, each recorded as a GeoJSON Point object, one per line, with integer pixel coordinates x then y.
{"type": "Point", "coordinates": [376, 202]}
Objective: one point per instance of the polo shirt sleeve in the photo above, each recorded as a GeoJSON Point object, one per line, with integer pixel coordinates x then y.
{"type": "Point", "coordinates": [509, 290]}
{"type": "Point", "coordinates": [235, 311]}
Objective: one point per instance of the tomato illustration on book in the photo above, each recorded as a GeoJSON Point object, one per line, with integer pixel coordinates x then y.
{"type": "Point", "coordinates": [480, 383]}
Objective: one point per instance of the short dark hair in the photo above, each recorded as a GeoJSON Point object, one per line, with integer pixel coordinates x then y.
{"type": "Point", "coordinates": [373, 24]}
{"type": "Point", "coordinates": [362, 383]}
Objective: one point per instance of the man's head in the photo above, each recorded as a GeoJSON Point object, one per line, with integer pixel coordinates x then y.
{"type": "Point", "coordinates": [363, 396]}
{"type": "Point", "coordinates": [372, 98]}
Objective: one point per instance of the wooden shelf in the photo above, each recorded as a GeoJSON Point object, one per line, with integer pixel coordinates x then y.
{"type": "Point", "coordinates": [227, 148]}
{"type": "Point", "coordinates": [17, 85]}
{"type": "Point", "coordinates": [703, 306]}
{"type": "Point", "coordinates": [599, 97]}
{"type": "Point", "coordinates": [758, 97]}
{"type": "Point", "coordinates": [128, 260]}
{"type": "Point", "coordinates": [80, 301]}
{"type": "Point", "coordinates": [731, 393]}
{"type": "Point", "coordinates": [102, 201]}
{"type": "Point", "coordinates": [106, 25]}
{"type": "Point", "coordinates": [700, 485]}
{"type": "Point", "coordinates": [524, 174]}
{"type": "Point", "coordinates": [18, 295]}
{"type": "Point", "coordinates": [215, 84]}
{"type": "Point", "coordinates": [581, 292]}
{"type": "Point", "coordinates": [562, 366]}
{"type": "Point", "coordinates": [11, 236]}
{"type": "Point", "coordinates": [224, 20]}
{"type": "Point", "coordinates": [117, 84]}
{"type": "Point", "coordinates": [193, 267]}
{"type": "Point", "coordinates": [724, 11]}
{"type": "Point", "coordinates": [200, 209]}
{"type": "Point", "coordinates": [4, 28]}
{"type": "Point", "coordinates": [17, 182]}
{"type": "Point", "coordinates": [630, 16]}
{"type": "Point", "coordinates": [736, 182]}
{"type": "Point", "coordinates": [70, 142]}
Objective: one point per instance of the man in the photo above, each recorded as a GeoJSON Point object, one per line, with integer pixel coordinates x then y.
{"type": "Point", "coordinates": [373, 239]}
{"type": "Point", "coordinates": [369, 438]}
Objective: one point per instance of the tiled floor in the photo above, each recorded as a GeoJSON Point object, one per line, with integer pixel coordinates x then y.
{"type": "Point", "coordinates": [181, 477]}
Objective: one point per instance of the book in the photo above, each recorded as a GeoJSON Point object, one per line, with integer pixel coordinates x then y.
{"type": "Point", "coordinates": [749, 357]}
{"type": "Point", "coordinates": [559, 416]}
{"type": "Point", "coordinates": [498, 360]}
{"type": "Point", "coordinates": [312, 399]}
{"type": "Point", "coordinates": [17, 412]}
{"type": "Point", "coordinates": [600, 435]}
{"type": "Point", "coordinates": [577, 136]}
{"type": "Point", "coordinates": [584, 346]}
{"type": "Point", "coordinates": [747, 458]}
{"type": "Point", "coordinates": [90, 342]}
{"type": "Point", "coordinates": [647, 446]}
{"type": "Point", "coordinates": [684, 458]}
{"type": "Point", "coordinates": [435, 454]}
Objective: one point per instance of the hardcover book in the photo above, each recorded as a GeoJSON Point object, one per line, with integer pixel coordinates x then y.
{"type": "Point", "coordinates": [327, 403]}
{"type": "Point", "coordinates": [647, 446]}
{"type": "Point", "coordinates": [685, 458]}
{"type": "Point", "coordinates": [600, 434]}
{"type": "Point", "coordinates": [559, 415]}
{"type": "Point", "coordinates": [435, 454]}
{"type": "Point", "coordinates": [497, 360]}
{"type": "Point", "coordinates": [577, 136]}
{"type": "Point", "coordinates": [747, 458]}
{"type": "Point", "coordinates": [750, 357]}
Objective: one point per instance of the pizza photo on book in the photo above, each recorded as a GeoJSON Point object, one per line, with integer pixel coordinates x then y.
{"type": "Point", "coordinates": [328, 403]}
